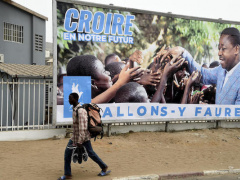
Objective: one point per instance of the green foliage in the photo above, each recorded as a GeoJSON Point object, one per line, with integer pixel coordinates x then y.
{"type": "Point", "coordinates": [150, 33]}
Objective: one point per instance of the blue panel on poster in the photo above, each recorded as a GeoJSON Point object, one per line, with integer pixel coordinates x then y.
{"type": "Point", "coordinates": [78, 84]}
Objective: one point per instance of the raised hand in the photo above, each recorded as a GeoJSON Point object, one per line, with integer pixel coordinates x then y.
{"type": "Point", "coordinates": [181, 85]}
{"type": "Point", "coordinates": [175, 52]}
{"type": "Point", "coordinates": [126, 74]}
{"type": "Point", "coordinates": [158, 62]}
{"type": "Point", "coordinates": [186, 96]}
{"type": "Point", "coordinates": [159, 54]}
{"type": "Point", "coordinates": [172, 66]}
{"type": "Point", "coordinates": [150, 78]}
{"type": "Point", "coordinates": [137, 56]}
{"type": "Point", "coordinates": [197, 97]}
{"type": "Point", "coordinates": [195, 77]}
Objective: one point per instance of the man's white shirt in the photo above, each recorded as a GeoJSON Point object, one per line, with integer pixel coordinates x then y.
{"type": "Point", "coordinates": [229, 73]}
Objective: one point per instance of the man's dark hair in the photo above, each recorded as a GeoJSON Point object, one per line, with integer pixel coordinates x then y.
{"type": "Point", "coordinates": [108, 58]}
{"type": "Point", "coordinates": [214, 64]}
{"type": "Point", "coordinates": [234, 35]}
{"type": "Point", "coordinates": [114, 68]}
{"type": "Point", "coordinates": [83, 65]}
{"type": "Point", "coordinates": [130, 92]}
{"type": "Point", "coordinates": [74, 95]}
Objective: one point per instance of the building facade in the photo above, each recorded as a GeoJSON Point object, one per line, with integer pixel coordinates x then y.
{"type": "Point", "coordinates": [25, 80]}
{"type": "Point", "coordinates": [22, 35]}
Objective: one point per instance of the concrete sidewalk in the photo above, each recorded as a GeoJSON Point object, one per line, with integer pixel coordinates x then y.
{"type": "Point", "coordinates": [180, 175]}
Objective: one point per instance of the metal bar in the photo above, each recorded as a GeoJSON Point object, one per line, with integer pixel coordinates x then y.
{"type": "Point", "coordinates": [18, 106]}
{"type": "Point", "coordinates": [24, 92]}
{"type": "Point", "coordinates": [39, 104]}
{"type": "Point", "coordinates": [28, 103]}
{"type": "Point", "coordinates": [54, 108]}
{"type": "Point", "coordinates": [2, 104]}
{"type": "Point", "coordinates": [132, 10]}
{"type": "Point", "coordinates": [44, 92]}
{"type": "Point", "coordinates": [7, 106]}
{"type": "Point", "coordinates": [33, 103]}
{"type": "Point", "coordinates": [217, 124]}
{"type": "Point", "coordinates": [13, 106]}
{"type": "Point", "coordinates": [48, 103]}
{"type": "Point", "coordinates": [166, 126]}
{"type": "Point", "coordinates": [41, 126]}
{"type": "Point", "coordinates": [15, 83]}
{"type": "Point", "coordinates": [109, 129]}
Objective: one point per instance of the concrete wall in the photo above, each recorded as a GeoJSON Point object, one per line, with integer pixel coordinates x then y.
{"type": "Point", "coordinates": [116, 129]}
{"type": "Point", "coordinates": [119, 129]}
{"type": "Point", "coordinates": [32, 134]}
{"type": "Point", "coordinates": [21, 53]}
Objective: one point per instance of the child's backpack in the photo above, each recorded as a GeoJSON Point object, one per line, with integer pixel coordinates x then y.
{"type": "Point", "coordinates": [95, 126]}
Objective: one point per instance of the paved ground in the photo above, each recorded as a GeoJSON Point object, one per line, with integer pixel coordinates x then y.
{"type": "Point", "coordinates": [127, 155]}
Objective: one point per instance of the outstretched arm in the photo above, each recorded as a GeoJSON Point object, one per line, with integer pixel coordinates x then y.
{"type": "Point", "coordinates": [169, 69]}
{"type": "Point", "coordinates": [194, 77]}
{"type": "Point", "coordinates": [137, 57]}
{"type": "Point", "coordinates": [209, 76]}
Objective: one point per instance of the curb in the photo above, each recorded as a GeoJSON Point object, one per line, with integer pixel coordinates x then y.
{"type": "Point", "coordinates": [145, 177]}
{"type": "Point", "coordinates": [179, 175]}
{"type": "Point", "coordinates": [224, 171]}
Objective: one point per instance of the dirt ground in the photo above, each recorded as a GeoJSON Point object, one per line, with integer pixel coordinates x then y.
{"type": "Point", "coordinates": [127, 154]}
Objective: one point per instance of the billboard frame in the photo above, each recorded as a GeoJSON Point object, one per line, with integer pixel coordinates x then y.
{"type": "Point", "coordinates": [83, 3]}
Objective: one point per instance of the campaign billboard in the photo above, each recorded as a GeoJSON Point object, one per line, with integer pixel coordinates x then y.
{"type": "Point", "coordinates": [140, 66]}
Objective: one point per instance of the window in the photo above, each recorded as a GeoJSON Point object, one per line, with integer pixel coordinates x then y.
{"type": "Point", "coordinates": [38, 42]}
{"type": "Point", "coordinates": [13, 33]}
